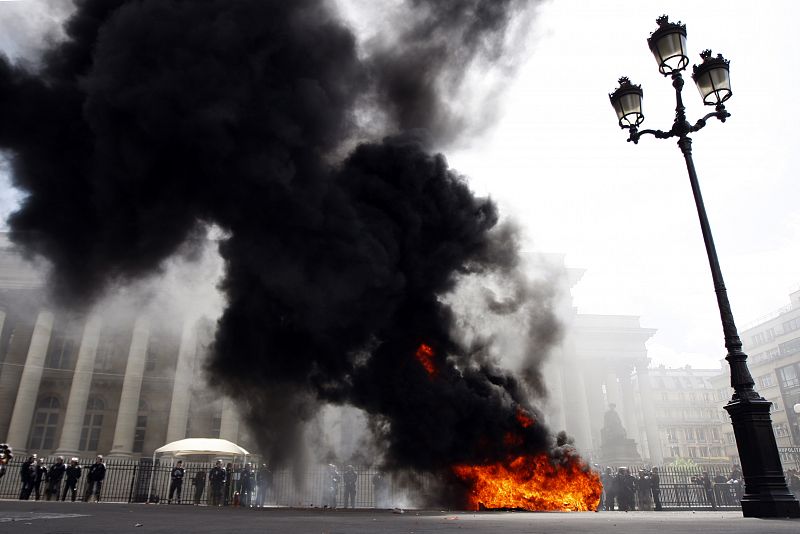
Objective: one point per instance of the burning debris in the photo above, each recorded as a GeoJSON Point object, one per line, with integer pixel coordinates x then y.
{"type": "Point", "coordinates": [155, 119]}
{"type": "Point", "coordinates": [532, 483]}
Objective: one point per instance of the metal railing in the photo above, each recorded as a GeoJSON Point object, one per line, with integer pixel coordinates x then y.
{"type": "Point", "coordinates": [128, 480]}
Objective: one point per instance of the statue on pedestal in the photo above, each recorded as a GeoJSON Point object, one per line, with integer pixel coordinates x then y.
{"type": "Point", "coordinates": [616, 447]}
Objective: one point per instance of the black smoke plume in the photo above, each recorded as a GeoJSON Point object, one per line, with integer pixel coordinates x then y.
{"type": "Point", "coordinates": [157, 118]}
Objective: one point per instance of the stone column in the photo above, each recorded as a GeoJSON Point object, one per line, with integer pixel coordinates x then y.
{"type": "Point", "coordinates": [25, 404]}
{"type": "Point", "coordinates": [649, 414]}
{"type": "Point", "coordinates": [182, 384]}
{"type": "Point", "coordinates": [629, 406]}
{"type": "Point", "coordinates": [128, 410]}
{"type": "Point", "coordinates": [79, 390]}
{"type": "Point", "coordinates": [229, 424]}
{"type": "Point", "coordinates": [593, 379]}
{"type": "Point", "coordinates": [554, 381]}
{"type": "Point", "coordinates": [576, 410]}
{"type": "Point", "coordinates": [612, 391]}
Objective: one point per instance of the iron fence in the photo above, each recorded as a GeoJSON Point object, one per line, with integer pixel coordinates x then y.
{"type": "Point", "coordinates": [128, 480]}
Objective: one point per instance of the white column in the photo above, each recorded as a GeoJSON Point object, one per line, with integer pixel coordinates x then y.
{"type": "Point", "coordinates": [28, 391]}
{"type": "Point", "coordinates": [229, 424]}
{"type": "Point", "coordinates": [593, 380]}
{"type": "Point", "coordinates": [612, 390]}
{"type": "Point", "coordinates": [181, 386]}
{"type": "Point", "coordinates": [649, 414]}
{"type": "Point", "coordinates": [79, 390]}
{"type": "Point", "coordinates": [629, 405]}
{"type": "Point", "coordinates": [576, 409]}
{"type": "Point", "coordinates": [122, 446]}
{"type": "Point", "coordinates": [555, 395]}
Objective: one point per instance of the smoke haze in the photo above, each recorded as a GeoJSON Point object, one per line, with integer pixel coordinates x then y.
{"type": "Point", "coordinates": [156, 119]}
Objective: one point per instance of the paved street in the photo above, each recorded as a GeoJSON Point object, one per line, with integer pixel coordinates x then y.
{"type": "Point", "coordinates": [59, 518]}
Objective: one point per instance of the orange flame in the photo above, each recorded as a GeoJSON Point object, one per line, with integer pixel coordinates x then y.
{"type": "Point", "coordinates": [524, 419]}
{"type": "Point", "coordinates": [532, 483]}
{"type": "Point", "coordinates": [425, 356]}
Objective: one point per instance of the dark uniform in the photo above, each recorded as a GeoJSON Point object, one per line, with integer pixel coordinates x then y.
{"type": "Point", "coordinates": [626, 488]}
{"type": "Point", "coordinates": [199, 483]}
{"type": "Point", "coordinates": [708, 488]}
{"type": "Point", "coordinates": [27, 474]}
{"type": "Point", "coordinates": [350, 478]}
{"type": "Point", "coordinates": [332, 489]}
{"type": "Point", "coordinates": [246, 483]}
{"type": "Point", "coordinates": [216, 479]}
{"type": "Point", "coordinates": [176, 482]}
{"type": "Point", "coordinates": [39, 475]}
{"type": "Point", "coordinates": [655, 485]}
{"type": "Point", "coordinates": [94, 479]}
{"type": "Point", "coordinates": [264, 483]}
{"type": "Point", "coordinates": [609, 481]}
{"type": "Point", "coordinates": [54, 478]}
{"type": "Point", "coordinates": [73, 474]}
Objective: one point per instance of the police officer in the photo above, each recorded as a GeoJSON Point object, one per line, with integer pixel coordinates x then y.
{"type": "Point", "coordinates": [216, 479]}
{"type": "Point", "coordinates": [609, 481]}
{"type": "Point", "coordinates": [39, 475]}
{"type": "Point", "coordinates": [54, 477]}
{"type": "Point", "coordinates": [94, 479]}
{"type": "Point", "coordinates": [176, 481]}
{"type": "Point", "coordinates": [350, 478]}
{"type": "Point", "coordinates": [264, 483]}
{"type": "Point", "coordinates": [655, 485]}
{"type": "Point", "coordinates": [246, 483]}
{"type": "Point", "coordinates": [199, 483]}
{"type": "Point", "coordinates": [332, 488]}
{"type": "Point", "coordinates": [73, 473]}
{"type": "Point", "coordinates": [26, 475]}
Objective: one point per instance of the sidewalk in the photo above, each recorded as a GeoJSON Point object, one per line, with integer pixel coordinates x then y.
{"type": "Point", "coordinates": [43, 517]}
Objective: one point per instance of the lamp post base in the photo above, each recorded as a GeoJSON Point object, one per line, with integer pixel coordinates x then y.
{"type": "Point", "coordinates": [765, 491]}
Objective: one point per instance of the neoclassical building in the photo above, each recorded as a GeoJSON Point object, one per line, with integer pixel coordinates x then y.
{"type": "Point", "coordinates": [122, 379]}
{"type": "Point", "coordinates": [128, 377]}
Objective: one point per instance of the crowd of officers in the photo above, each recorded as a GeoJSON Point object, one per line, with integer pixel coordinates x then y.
{"type": "Point", "coordinates": [248, 486]}
{"type": "Point", "coordinates": [40, 480]}
{"type": "Point", "coordinates": [625, 491]}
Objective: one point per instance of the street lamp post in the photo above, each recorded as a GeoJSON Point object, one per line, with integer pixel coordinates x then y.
{"type": "Point", "coordinates": [766, 493]}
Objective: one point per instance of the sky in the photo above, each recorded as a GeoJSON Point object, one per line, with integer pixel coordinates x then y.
{"type": "Point", "coordinates": [557, 162]}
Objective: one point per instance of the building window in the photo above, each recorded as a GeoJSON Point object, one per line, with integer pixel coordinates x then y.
{"type": "Point", "coordinates": [672, 435]}
{"type": "Point", "coordinates": [60, 351]}
{"type": "Point", "coordinates": [45, 424]}
{"type": "Point", "coordinates": [790, 347]}
{"type": "Point", "coordinates": [675, 452]}
{"type": "Point", "coordinates": [216, 424]}
{"type": "Point", "coordinates": [729, 437]}
{"type": "Point", "coordinates": [781, 430]}
{"type": "Point", "coordinates": [715, 434]}
{"type": "Point", "coordinates": [665, 396]}
{"type": "Point", "coordinates": [773, 353]}
{"type": "Point", "coordinates": [788, 377]}
{"type": "Point", "coordinates": [790, 326]}
{"type": "Point", "coordinates": [690, 434]}
{"type": "Point", "coordinates": [701, 435]}
{"type": "Point", "coordinates": [92, 424]}
{"type": "Point", "coordinates": [141, 428]}
{"type": "Point", "coordinates": [692, 452]}
{"type": "Point", "coordinates": [765, 381]}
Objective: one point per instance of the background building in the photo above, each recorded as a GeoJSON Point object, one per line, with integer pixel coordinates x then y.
{"type": "Point", "coordinates": [687, 415]}
{"type": "Point", "coordinates": [122, 379]}
{"type": "Point", "coordinates": [773, 346]}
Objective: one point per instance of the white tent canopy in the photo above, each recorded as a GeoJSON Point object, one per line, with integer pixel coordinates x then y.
{"type": "Point", "coordinates": [196, 446]}
{"type": "Point", "coordinates": [200, 446]}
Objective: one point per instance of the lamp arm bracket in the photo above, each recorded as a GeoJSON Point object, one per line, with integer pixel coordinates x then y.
{"type": "Point", "coordinates": [721, 113]}
{"type": "Point", "coordinates": [658, 134]}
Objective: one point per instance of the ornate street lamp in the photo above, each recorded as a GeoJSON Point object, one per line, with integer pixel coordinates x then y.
{"type": "Point", "coordinates": [765, 494]}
